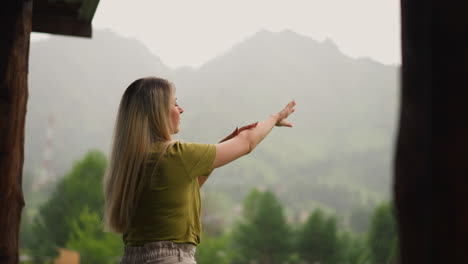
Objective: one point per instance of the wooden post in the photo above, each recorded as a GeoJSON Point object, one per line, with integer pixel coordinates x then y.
{"type": "Point", "coordinates": [431, 170]}
{"type": "Point", "coordinates": [15, 28]}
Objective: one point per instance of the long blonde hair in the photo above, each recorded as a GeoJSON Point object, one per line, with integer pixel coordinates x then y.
{"type": "Point", "coordinates": [142, 120]}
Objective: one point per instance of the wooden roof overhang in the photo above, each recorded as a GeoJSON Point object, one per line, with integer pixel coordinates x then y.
{"type": "Point", "coordinates": [64, 17]}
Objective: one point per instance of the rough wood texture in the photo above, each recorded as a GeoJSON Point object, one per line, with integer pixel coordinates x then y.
{"type": "Point", "coordinates": [431, 170]}
{"type": "Point", "coordinates": [15, 27]}
{"type": "Point", "coordinates": [62, 26]}
{"type": "Point", "coordinates": [71, 18]}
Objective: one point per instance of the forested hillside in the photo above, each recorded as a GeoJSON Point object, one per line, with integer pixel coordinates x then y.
{"type": "Point", "coordinates": [337, 156]}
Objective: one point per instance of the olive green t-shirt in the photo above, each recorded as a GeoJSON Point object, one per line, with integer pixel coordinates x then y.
{"type": "Point", "coordinates": [169, 206]}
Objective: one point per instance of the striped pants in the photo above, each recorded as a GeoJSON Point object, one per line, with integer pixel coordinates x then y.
{"type": "Point", "coordinates": [162, 252]}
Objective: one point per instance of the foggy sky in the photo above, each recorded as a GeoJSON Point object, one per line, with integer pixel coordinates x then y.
{"type": "Point", "coordinates": [188, 33]}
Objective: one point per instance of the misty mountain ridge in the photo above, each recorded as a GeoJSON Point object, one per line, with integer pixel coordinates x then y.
{"type": "Point", "coordinates": [344, 122]}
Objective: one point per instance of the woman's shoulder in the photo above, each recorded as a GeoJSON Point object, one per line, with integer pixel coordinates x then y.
{"type": "Point", "coordinates": [179, 147]}
{"type": "Point", "coordinates": [170, 148]}
{"type": "Point", "coordinates": [190, 149]}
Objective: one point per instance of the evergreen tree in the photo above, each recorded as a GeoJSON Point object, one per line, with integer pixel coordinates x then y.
{"type": "Point", "coordinates": [80, 188]}
{"type": "Point", "coordinates": [25, 232]}
{"type": "Point", "coordinates": [263, 235]}
{"type": "Point", "coordinates": [214, 250]}
{"type": "Point", "coordinates": [94, 245]}
{"type": "Point", "coordinates": [353, 249]}
{"type": "Point", "coordinates": [382, 240]}
{"type": "Point", "coordinates": [250, 204]}
{"type": "Point", "coordinates": [318, 241]}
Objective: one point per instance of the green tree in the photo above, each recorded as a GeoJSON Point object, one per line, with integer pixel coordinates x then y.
{"type": "Point", "coordinates": [250, 204]}
{"type": "Point", "coordinates": [88, 238]}
{"type": "Point", "coordinates": [263, 235]}
{"type": "Point", "coordinates": [382, 239]}
{"type": "Point", "coordinates": [80, 188]}
{"type": "Point", "coordinates": [318, 240]}
{"type": "Point", "coordinates": [353, 249]}
{"type": "Point", "coordinates": [25, 236]}
{"type": "Point", "coordinates": [214, 250]}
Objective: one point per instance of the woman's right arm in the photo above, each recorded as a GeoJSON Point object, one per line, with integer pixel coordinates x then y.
{"type": "Point", "coordinates": [247, 140]}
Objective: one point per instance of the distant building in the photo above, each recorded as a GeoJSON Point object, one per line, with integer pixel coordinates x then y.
{"type": "Point", "coordinates": [67, 256]}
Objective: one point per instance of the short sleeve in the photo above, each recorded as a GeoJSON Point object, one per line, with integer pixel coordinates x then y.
{"type": "Point", "coordinates": [197, 158]}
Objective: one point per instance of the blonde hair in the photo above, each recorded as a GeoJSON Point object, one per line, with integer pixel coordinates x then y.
{"type": "Point", "coordinates": [142, 120]}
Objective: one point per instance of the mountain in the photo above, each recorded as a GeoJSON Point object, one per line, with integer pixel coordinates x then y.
{"type": "Point", "coordinates": [338, 155]}
{"type": "Point", "coordinates": [79, 82]}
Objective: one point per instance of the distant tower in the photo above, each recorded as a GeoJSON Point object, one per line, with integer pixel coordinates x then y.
{"type": "Point", "coordinates": [47, 174]}
{"type": "Point", "coordinates": [48, 151]}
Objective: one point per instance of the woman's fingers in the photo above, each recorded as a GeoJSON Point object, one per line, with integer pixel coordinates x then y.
{"type": "Point", "coordinates": [285, 123]}
{"type": "Point", "coordinates": [283, 114]}
{"type": "Point", "coordinates": [292, 111]}
{"type": "Point", "coordinates": [291, 105]}
{"type": "Point", "coordinates": [290, 108]}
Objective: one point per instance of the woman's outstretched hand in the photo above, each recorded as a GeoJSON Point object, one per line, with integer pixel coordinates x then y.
{"type": "Point", "coordinates": [281, 121]}
{"type": "Point", "coordinates": [283, 114]}
{"type": "Point", "coordinates": [253, 134]}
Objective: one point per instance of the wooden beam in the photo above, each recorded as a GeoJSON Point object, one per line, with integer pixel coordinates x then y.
{"type": "Point", "coordinates": [431, 169]}
{"type": "Point", "coordinates": [87, 10]}
{"type": "Point", "coordinates": [61, 26]}
{"type": "Point", "coordinates": [15, 28]}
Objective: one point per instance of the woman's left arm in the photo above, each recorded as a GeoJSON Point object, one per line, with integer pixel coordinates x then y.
{"type": "Point", "coordinates": [202, 179]}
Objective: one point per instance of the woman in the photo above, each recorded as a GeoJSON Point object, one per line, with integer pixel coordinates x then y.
{"type": "Point", "coordinates": [151, 186]}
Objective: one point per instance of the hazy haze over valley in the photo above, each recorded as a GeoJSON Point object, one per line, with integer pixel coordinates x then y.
{"type": "Point", "coordinates": [338, 155]}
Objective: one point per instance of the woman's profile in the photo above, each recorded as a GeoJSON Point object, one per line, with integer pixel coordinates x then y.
{"type": "Point", "coordinates": [151, 185]}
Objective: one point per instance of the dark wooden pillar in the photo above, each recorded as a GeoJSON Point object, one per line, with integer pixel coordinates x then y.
{"type": "Point", "coordinates": [15, 29]}
{"type": "Point", "coordinates": [431, 170]}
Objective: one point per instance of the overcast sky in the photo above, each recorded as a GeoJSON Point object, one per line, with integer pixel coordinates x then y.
{"type": "Point", "coordinates": [190, 32]}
